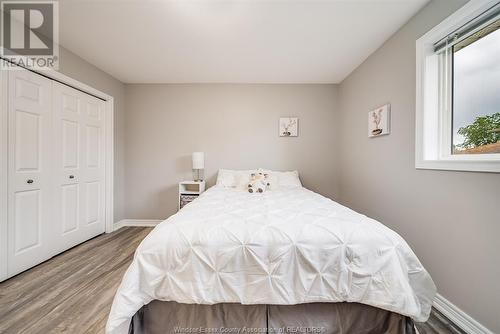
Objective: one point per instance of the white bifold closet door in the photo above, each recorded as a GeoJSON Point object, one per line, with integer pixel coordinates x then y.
{"type": "Point", "coordinates": [79, 165]}
{"type": "Point", "coordinates": [30, 188]}
{"type": "Point", "coordinates": [56, 159]}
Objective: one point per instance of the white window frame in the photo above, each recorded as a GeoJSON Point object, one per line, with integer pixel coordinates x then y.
{"type": "Point", "coordinates": [433, 117]}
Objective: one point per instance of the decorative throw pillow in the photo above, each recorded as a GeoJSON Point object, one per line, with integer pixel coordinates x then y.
{"type": "Point", "coordinates": [225, 178]}
{"type": "Point", "coordinates": [233, 178]}
{"type": "Point", "coordinates": [289, 179]}
{"type": "Point", "coordinates": [283, 179]}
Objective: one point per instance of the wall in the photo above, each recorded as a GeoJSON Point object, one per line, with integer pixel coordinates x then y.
{"type": "Point", "coordinates": [237, 128]}
{"type": "Point", "coordinates": [451, 219]}
{"type": "Point", "coordinates": [79, 69]}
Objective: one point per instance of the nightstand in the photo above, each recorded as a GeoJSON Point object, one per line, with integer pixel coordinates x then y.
{"type": "Point", "coordinates": [189, 191]}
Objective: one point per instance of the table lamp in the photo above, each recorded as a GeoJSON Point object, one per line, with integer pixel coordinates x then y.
{"type": "Point", "coordinates": [198, 165]}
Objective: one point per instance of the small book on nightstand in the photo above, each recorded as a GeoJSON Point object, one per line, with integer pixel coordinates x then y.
{"type": "Point", "coordinates": [189, 191]}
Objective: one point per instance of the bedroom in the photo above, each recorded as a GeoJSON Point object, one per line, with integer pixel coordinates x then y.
{"type": "Point", "coordinates": [374, 104]}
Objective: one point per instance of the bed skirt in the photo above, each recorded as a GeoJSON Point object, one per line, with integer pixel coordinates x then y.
{"type": "Point", "coordinates": [160, 317]}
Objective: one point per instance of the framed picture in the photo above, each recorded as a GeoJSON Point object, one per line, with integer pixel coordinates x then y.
{"type": "Point", "coordinates": [289, 127]}
{"type": "Point", "coordinates": [379, 121]}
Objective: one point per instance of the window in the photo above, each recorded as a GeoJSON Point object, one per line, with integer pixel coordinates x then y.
{"type": "Point", "coordinates": [458, 91]}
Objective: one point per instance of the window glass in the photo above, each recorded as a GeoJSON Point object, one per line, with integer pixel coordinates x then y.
{"type": "Point", "coordinates": [476, 93]}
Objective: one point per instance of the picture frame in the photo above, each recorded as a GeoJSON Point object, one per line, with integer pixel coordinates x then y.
{"type": "Point", "coordinates": [379, 121]}
{"type": "Point", "coordinates": [289, 127]}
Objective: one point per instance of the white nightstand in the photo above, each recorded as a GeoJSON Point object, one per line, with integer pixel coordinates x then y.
{"type": "Point", "coordinates": [189, 191]}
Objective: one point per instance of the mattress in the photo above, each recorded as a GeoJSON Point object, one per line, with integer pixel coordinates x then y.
{"type": "Point", "coordinates": [282, 247]}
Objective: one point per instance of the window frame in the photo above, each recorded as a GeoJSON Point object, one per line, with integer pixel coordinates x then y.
{"type": "Point", "coordinates": [433, 133]}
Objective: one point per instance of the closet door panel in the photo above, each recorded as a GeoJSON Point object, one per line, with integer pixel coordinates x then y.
{"type": "Point", "coordinates": [70, 207]}
{"type": "Point", "coordinates": [92, 202]}
{"type": "Point", "coordinates": [30, 221]}
{"type": "Point", "coordinates": [68, 161]}
{"type": "Point", "coordinates": [93, 147]}
{"type": "Point", "coordinates": [70, 143]}
{"type": "Point", "coordinates": [79, 161]}
{"type": "Point", "coordinates": [94, 110]}
{"type": "Point", "coordinates": [28, 90]}
{"type": "Point", "coordinates": [93, 172]}
{"type": "Point", "coordinates": [28, 140]}
{"type": "Point", "coordinates": [27, 220]}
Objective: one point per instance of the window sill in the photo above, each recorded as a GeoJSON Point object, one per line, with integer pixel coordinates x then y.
{"type": "Point", "coordinates": [461, 165]}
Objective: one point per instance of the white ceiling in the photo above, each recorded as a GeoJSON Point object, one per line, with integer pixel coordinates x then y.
{"type": "Point", "coordinates": [230, 41]}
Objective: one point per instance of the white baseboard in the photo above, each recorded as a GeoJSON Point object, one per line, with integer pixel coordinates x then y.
{"type": "Point", "coordinates": [136, 222]}
{"type": "Point", "coordinates": [459, 317]}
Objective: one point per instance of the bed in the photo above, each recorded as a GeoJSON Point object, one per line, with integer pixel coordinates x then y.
{"type": "Point", "coordinates": [270, 260]}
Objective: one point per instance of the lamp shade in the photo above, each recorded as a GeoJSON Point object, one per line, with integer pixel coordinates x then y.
{"type": "Point", "coordinates": [198, 160]}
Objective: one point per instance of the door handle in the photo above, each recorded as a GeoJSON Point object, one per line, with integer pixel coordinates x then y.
{"type": "Point", "coordinates": [29, 181]}
{"type": "Point", "coordinates": [71, 176]}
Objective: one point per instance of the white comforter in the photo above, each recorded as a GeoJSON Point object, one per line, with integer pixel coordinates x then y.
{"type": "Point", "coordinates": [285, 246]}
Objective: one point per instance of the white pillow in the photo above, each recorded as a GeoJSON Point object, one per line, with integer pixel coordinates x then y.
{"type": "Point", "coordinates": [233, 178]}
{"type": "Point", "coordinates": [284, 179]}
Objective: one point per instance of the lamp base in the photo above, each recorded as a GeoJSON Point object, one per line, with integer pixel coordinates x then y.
{"type": "Point", "coordinates": [198, 175]}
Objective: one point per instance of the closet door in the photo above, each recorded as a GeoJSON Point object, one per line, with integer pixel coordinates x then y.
{"type": "Point", "coordinates": [30, 221]}
{"type": "Point", "coordinates": [79, 159]}
{"type": "Point", "coordinates": [93, 171]}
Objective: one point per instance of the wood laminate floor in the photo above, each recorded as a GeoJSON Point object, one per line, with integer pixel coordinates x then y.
{"type": "Point", "coordinates": [72, 292]}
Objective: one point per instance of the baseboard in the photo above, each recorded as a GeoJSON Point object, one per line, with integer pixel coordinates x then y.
{"type": "Point", "coordinates": [458, 317]}
{"type": "Point", "coordinates": [136, 222]}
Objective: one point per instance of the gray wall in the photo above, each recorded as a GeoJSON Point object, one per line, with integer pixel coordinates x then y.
{"type": "Point", "coordinates": [79, 69]}
{"type": "Point", "coordinates": [451, 219]}
{"type": "Point", "coordinates": [237, 128]}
